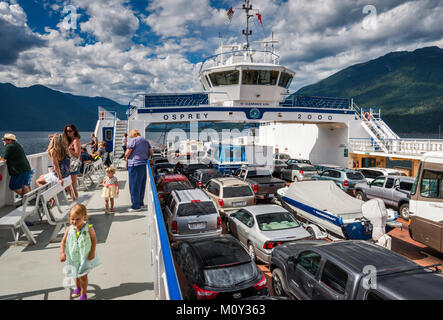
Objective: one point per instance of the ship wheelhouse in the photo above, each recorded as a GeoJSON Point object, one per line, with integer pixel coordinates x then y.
{"type": "Point", "coordinates": [245, 77]}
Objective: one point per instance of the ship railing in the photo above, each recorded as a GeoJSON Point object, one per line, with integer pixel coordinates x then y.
{"type": "Point", "coordinates": [299, 100]}
{"type": "Point", "coordinates": [166, 286]}
{"type": "Point", "coordinates": [412, 147]}
{"type": "Point", "coordinates": [240, 56]}
{"type": "Point", "coordinates": [39, 163]}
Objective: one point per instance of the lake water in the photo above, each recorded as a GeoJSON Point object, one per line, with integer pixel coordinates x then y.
{"type": "Point", "coordinates": [37, 141]}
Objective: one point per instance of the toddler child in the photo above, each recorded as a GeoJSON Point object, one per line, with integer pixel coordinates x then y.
{"type": "Point", "coordinates": [110, 188]}
{"type": "Point", "coordinates": [78, 250]}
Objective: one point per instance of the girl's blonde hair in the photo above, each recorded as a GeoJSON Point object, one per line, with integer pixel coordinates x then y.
{"type": "Point", "coordinates": [134, 133]}
{"type": "Point", "coordinates": [110, 169]}
{"type": "Point", "coordinates": [58, 146]}
{"type": "Point", "coordinates": [102, 144]}
{"type": "Point", "coordinates": [80, 210]}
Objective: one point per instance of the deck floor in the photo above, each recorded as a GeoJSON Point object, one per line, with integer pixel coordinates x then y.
{"type": "Point", "coordinates": [34, 272]}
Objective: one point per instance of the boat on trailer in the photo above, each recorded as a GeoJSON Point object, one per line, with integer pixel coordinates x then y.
{"type": "Point", "coordinates": [324, 204]}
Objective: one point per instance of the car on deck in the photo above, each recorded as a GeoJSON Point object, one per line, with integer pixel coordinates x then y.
{"type": "Point", "coordinates": [346, 179]}
{"type": "Point", "coordinates": [350, 270]}
{"type": "Point", "coordinates": [298, 172]}
{"type": "Point", "coordinates": [190, 214]}
{"type": "Point", "coordinates": [217, 268]}
{"type": "Point", "coordinates": [168, 183]}
{"type": "Point", "coordinates": [229, 193]}
{"type": "Point", "coordinates": [393, 190]}
{"type": "Point", "coordinates": [260, 179]}
{"type": "Point", "coordinates": [200, 177]}
{"type": "Point", "coordinates": [261, 228]}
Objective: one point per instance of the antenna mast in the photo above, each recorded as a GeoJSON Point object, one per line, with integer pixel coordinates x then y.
{"type": "Point", "coordinates": [247, 7]}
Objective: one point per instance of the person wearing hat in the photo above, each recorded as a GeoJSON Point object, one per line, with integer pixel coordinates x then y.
{"type": "Point", "coordinates": [18, 165]}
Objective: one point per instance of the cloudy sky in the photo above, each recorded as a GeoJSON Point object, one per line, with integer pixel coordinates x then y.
{"type": "Point", "coordinates": [118, 48]}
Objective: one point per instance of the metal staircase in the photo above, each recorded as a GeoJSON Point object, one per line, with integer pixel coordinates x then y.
{"type": "Point", "coordinates": [120, 130]}
{"type": "Point", "coordinates": [380, 132]}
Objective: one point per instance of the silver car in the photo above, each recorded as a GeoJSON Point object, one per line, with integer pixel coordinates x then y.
{"type": "Point", "coordinates": [190, 214]}
{"type": "Point", "coordinates": [298, 172]}
{"type": "Point", "coordinates": [261, 228]}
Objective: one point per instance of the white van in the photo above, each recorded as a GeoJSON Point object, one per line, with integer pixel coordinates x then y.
{"type": "Point", "coordinates": [426, 202]}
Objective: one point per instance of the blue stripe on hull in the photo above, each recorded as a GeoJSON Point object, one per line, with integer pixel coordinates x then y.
{"type": "Point", "coordinates": [353, 231]}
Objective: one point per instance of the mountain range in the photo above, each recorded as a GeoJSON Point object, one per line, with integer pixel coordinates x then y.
{"type": "Point", "coordinates": [38, 108]}
{"type": "Point", "coordinates": [406, 86]}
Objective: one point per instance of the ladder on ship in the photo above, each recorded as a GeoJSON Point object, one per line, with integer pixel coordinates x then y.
{"type": "Point", "coordinates": [120, 129]}
{"type": "Point", "coordinates": [379, 131]}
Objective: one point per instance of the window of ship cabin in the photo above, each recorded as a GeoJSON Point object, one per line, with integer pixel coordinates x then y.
{"type": "Point", "coordinates": [260, 77]}
{"type": "Point", "coordinates": [225, 78]}
{"type": "Point", "coordinates": [285, 80]}
{"type": "Point", "coordinates": [207, 80]}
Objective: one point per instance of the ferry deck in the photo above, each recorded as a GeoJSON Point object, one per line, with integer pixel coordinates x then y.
{"type": "Point", "coordinates": [132, 266]}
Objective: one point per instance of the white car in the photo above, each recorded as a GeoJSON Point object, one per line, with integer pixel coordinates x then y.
{"type": "Point", "coordinates": [372, 173]}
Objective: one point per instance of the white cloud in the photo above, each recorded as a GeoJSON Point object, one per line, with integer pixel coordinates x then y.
{"type": "Point", "coordinates": [317, 39]}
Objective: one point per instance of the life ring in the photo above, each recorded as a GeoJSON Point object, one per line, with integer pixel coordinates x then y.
{"type": "Point", "coordinates": [366, 116]}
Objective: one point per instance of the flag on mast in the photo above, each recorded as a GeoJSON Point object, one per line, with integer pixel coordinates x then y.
{"type": "Point", "coordinates": [230, 13]}
{"type": "Point", "coordinates": [259, 17]}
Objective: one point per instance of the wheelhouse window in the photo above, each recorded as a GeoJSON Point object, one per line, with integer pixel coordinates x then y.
{"type": "Point", "coordinates": [260, 77]}
{"type": "Point", "coordinates": [207, 80]}
{"type": "Point", "coordinates": [225, 78]}
{"type": "Point", "coordinates": [285, 80]}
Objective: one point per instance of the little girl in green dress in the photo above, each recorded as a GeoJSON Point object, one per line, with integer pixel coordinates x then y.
{"type": "Point", "coordinates": [78, 250]}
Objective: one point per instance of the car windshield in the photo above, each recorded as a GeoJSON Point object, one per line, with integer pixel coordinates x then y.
{"type": "Point", "coordinates": [307, 168]}
{"type": "Point", "coordinates": [209, 175]}
{"type": "Point", "coordinates": [235, 192]}
{"type": "Point", "coordinates": [196, 208]}
{"type": "Point", "coordinates": [229, 276]}
{"type": "Point", "coordinates": [259, 173]}
{"type": "Point", "coordinates": [177, 185]}
{"type": "Point", "coordinates": [355, 176]}
{"type": "Point", "coordinates": [276, 221]}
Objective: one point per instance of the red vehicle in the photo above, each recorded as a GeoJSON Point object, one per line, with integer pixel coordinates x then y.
{"type": "Point", "coordinates": [166, 184]}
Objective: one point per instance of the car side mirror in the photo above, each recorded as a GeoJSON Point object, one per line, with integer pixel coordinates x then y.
{"type": "Point", "coordinates": [292, 262]}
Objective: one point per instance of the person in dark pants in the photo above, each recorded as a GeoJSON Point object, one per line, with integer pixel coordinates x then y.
{"type": "Point", "coordinates": [18, 165]}
{"type": "Point", "coordinates": [124, 144]}
{"type": "Point", "coordinates": [137, 154]}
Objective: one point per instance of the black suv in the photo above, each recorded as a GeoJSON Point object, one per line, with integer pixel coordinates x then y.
{"type": "Point", "coordinates": [216, 268]}
{"type": "Point", "coordinates": [350, 270]}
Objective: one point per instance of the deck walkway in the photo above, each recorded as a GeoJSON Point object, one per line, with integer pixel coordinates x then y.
{"type": "Point", "coordinates": [34, 272]}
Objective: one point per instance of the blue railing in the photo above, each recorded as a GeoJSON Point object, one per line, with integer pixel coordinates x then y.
{"type": "Point", "coordinates": [171, 276]}
{"type": "Point", "coordinates": [317, 102]}
{"type": "Point", "coordinates": [175, 100]}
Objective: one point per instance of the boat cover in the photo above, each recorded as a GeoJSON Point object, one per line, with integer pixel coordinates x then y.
{"type": "Point", "coordinates": [324, 196]}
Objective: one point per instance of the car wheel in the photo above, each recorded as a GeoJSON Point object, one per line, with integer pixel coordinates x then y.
{"type": "Point", "coordinates": [278, 285]}
{"type": "Point", "coordinates": [251, 252]}
{"type": "Point", "coordinates": [360, 196]}
{"type": "Point", "coordinates": [404, 211]}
